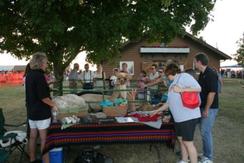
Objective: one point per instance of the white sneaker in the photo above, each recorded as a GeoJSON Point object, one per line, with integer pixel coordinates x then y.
{"type": "Point", "coordinates": [205, 160]}
{"type": "Point", "coordinates": [182, 161]}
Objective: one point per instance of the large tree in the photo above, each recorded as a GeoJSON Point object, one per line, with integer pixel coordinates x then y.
{"type": "Point", "coordinates": [240, 52]}
{"type": "Point", "coordinates": [63, 28]}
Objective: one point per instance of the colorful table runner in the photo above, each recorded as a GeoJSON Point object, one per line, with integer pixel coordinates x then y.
{"type": "Point", "coordinates": [92, 134]}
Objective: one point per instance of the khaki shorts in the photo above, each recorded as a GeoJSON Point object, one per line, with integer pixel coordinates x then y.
{"type": "Point", "coordinates": [40, 124]}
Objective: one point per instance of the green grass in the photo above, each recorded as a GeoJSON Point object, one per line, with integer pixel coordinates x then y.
{"type": "Point", "coordinates": [228, 129]}
{"type": "Point", "coordinates": [232, 101]}
{"type": "Point", "coordinates": [12, 100]}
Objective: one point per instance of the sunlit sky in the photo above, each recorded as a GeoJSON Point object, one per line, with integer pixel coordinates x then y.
{"type": "Point", "coordinates": [223, 32]}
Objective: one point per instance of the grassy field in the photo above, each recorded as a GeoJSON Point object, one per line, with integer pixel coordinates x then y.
{"type": "Point", "coordinates": [228, 129]}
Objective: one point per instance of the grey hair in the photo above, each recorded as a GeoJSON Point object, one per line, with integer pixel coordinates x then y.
{"type": "Point", "coordinates": [37, 60]}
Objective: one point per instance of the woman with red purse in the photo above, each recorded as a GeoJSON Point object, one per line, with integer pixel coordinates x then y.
{"type": "Point", "coordinates": [185, 118]}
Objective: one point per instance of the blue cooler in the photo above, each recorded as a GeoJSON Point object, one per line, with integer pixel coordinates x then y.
{"type": "Point", "coordinates": [56, 155]}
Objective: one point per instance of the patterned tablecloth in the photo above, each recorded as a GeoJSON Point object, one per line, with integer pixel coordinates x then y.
{"type": "Point", "coordinates": [92, 134]}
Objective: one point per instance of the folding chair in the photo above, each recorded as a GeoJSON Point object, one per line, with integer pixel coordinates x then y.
{"type": "Point", "coordinates": [11, 140]}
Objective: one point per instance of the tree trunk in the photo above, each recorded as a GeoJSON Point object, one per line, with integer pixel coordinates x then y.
{"type": "Point", "coordinates": [58, 73]}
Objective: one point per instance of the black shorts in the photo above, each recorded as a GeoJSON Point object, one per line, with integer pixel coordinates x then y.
{"type": "Point", "coordinates": [186, 129]}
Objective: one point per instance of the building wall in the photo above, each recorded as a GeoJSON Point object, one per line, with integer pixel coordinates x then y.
{"type": "Point", "coordinates": [214, 59]}
{"type": "Point", "coordinates": [143, 61]}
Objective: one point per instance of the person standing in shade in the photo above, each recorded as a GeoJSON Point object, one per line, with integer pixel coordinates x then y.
{"type": "Point", "coordinates": [152, 88]}
{"type": "Point", "coordinates": [113, 78]}
{"type": "Point", "coordinates": [153, 75]}
{"type": "Point", "coordinates": [73, 77]}
{"type": "Point", "coordinates": [126, 72]}
{"type": "Point", "coordinates": [39, 104]}
{"type": "Point", "coordinates": [99, 77]}
{"type": "Point", "coordinates": [141, 85]}
{"type": "Point", "coordinates": [87, 78]}
{"type": "Point", "coordinates": [208, 80]}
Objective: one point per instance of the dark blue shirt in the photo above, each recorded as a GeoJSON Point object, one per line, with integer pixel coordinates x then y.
{"type": "Point", "coordinates": [208, 81]}
{"type": "Point", "coordinates": [36, 89]}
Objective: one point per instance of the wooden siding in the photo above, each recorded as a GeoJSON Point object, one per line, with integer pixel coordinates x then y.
{"type": "Point", "coordinates": [141, 61]}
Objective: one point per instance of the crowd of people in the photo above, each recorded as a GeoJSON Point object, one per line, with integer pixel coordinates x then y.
{"type": "Point", "coordinates": [228, 73]}
{"type": "Point", "coordinates": [40, 105]}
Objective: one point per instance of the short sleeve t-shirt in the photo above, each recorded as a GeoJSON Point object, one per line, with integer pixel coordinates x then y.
{"type": "Point", "coordinates": [179, 112]}
{"type": "Point", "coordinates": [153, 77]}
{"type": "Point", "coordinates": [208, 80]}
{"type": "Point", "coordinates": [36, 89]}
{"type": "Point", "coordinates": [73, 75]}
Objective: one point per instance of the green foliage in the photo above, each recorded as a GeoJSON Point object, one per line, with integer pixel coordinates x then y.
{"type": "Point", "coordinates": [63, 28]}
{"type": "Point", "coordinates": [240, 53]}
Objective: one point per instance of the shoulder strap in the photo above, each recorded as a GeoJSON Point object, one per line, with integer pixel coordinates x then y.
{"type": "Point", "coordinates": [90, 76]}
{"type": "Point", "coordinates": [84, 80]}
{"type": "Point", "coordinates": [178, 79]}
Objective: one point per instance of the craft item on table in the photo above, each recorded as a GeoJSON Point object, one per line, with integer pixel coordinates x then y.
{"type": "Point", "coordinates": [70, 103]}
{"type": "Point", "coordinates": [106, 120]}
{"type": "Point", "coordinates": [69, 121]}
{"type": "Point", "coordinates": [64, 126]}
{"type": "Point", "coordinates": [90, 119]}
{"type": "Point", "coordinates": [93, 99]}
{"type": "Point", "coordinates": [145, 117]}
{"type": "Point", "coordinates": [124, 119]}
{"type": "Point", "coordinates": [117, 101]}
{"type": "Point", "coordinates": [120, 101]}
{"type": "Point", "coordinates": [99, 115]}
{"type": "Point", "coordinates": [116, 111]}
{"type": "Point", "coordinates": [106, 103]}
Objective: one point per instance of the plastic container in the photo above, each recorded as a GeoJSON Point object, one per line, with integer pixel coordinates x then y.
{"type": "Point", "coordinates": [56, 155]}
{"type": "Point", "coordinates": [55, 114]}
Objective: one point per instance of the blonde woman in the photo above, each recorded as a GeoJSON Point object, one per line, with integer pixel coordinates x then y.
{"type": "Point", "coordinates": [39, 104]}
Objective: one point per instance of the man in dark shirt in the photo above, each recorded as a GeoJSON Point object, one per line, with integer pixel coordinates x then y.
{"type": "Point", "coordinates": [208, 80]}
{"type": "Point", "coordinates": [38, 103]}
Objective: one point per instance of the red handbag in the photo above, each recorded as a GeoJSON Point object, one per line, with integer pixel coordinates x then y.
{"type": "Point", "coordinates": [190, 99]}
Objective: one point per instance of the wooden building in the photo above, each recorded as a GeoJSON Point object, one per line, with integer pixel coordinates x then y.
{"type": "Point", "coordinates": [141, 55]}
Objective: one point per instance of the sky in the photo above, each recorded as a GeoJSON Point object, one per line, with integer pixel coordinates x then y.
{"type": "Point", "coordinates": [223, 32]}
